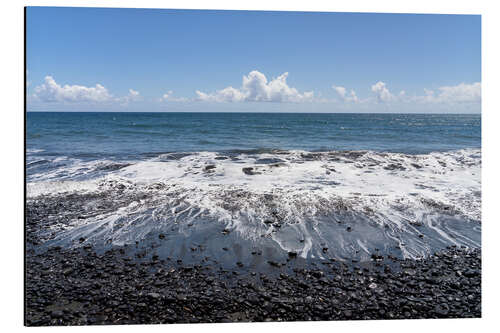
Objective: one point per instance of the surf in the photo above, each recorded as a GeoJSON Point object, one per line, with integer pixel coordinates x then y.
{"type": "Point", "coordinates": [332, 204]}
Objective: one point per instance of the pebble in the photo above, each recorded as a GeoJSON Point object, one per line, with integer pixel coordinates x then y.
{"type": "Point", "coordinates": [112, 288]}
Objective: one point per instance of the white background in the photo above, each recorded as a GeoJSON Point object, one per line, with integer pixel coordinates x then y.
{"type": "Point", "coordinates": [12, 150]}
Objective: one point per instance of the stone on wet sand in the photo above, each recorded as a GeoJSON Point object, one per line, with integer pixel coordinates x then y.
{"type": "Point", "coordinates": [74, 287]}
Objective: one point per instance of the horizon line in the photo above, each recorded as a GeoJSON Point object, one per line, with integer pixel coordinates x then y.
{"type": "Point", "coordinates": [273, 112]}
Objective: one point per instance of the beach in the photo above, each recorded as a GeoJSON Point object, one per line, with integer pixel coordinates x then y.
{"type": "Point", "coordinates": [82, 288]}
{"type": "Point", "coordinates": [163, 219]}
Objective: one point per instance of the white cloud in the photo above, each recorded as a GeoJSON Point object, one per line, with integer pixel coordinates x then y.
{"type": "Point", "coordinates": [428, 92]}
{"type": "Point", "coordinates": [462, 93]}
{"type": "Point", "coordinates": [228, 94]}
{"type": "Point", "coordinates": [383, 94]}
{"type": "Point", "coordinates": [340, 91]}
{"type": "Point", "coordinates": [256, 88]}
{"type": "Point", "coordinates": [133, 93]}
{"type": "Point", "coordinates": [342, 94]}
{"type": "Point", "coordinates": [169, 97]}
{"type": "Point", "coordinates": [428, 97]}
{"type": "Point", "coordinates": [459, 94]}
{"type": "Point", "coordinates": [51, 91]}
{"type": "Point", "coordinates": [133, 96]}
{"type": "Point", "coordinates": [28, 82]}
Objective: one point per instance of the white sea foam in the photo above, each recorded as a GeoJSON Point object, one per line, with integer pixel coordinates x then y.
{"type": "Point", "coordinates": [386, 198]}
{"type": "Point", "coordinates": [29, 151]}
{"type": "Point", "coordinates": [37, 189]}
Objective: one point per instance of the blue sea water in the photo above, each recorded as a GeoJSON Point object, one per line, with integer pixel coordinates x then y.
{"type": "Point", "coordinates": [88, 135]}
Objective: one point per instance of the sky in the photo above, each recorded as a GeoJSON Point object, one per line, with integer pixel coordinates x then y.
{"type": "Point", "coordinates": [110, 59]}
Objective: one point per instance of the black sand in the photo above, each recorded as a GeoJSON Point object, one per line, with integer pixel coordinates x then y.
{"type": "Point", "coordinates": [80, 287]}
{"type": "Point", "coordinates": [88, 286]}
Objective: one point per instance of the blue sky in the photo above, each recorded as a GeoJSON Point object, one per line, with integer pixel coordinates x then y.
{"type": "Point", "coordinates": [171, 60]}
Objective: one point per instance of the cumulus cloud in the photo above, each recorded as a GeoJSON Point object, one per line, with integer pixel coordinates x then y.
{"type": "Point", "coordinates": [133, 96]}
{"type": "Point", "coordinates": [169, 97]}
{"type": "Point", "coordinates": [133, 93]}
{"type": "Point", "coordinates": [383, 94]}
{"type": "Point", "coordinates": [462, 93]}
{"type": "Point", "coordinates": [51, 91]}
{"type": "Point", "coordinates": [256, 88]}
{"type": "Point", "coordinates": [342, 94]}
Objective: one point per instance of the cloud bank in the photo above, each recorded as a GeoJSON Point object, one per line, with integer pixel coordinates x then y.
{"type": "Point", "coordinates": [256, 88]}
{"type": "Point", "coordinates": [460, 94]}
{"type": "Point", "coordinates": [51, 91]}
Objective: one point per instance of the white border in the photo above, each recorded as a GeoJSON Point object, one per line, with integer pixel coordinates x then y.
{"type": "Point", "coordinates": [11, 120]}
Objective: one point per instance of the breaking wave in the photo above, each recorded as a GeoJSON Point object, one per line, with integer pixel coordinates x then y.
{"type": "Point", "coordinates": [333, 204]}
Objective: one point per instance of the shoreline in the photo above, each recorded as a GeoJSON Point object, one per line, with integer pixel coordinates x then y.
{"type": "Point", "coordinates": [223, 248]}
{"type": "Point", "coordinates": [80, 287]}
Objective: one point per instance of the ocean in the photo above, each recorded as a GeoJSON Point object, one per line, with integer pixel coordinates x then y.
{"type": "Point", "coordinates": [128, 135]}
{"type": "Point", "coordinates": [319, 185]}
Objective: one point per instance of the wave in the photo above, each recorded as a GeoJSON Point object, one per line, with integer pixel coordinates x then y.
{"type": "Point", "coordinates": [33, 150]}
{"type": "Point", "coordinates": [347, 202]}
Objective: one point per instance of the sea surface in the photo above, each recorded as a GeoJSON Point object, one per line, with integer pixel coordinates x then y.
{"type": "Point", "coordinates": [128, 135]}
{"type": "Point", "coordinates": [319, 185]}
